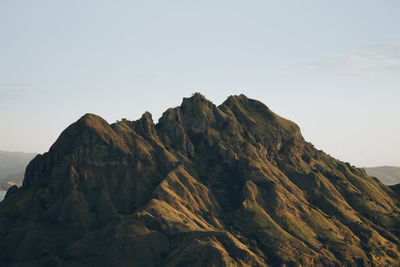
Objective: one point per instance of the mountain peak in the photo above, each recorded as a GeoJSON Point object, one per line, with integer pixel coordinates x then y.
{"type": "Point", "coordinates": [249, 104]}
{"type": "Point", "coordinates": [93, 121]}
{"type": "Point", "coordinates": [196, 100]}
{"type": "Point", "coordinates": [197, 96]}
{"type": "Point", "coordinates": [236, 98]}
{"type": "Point", "coordinates": [147, 116]}
{"type": "Point", "coordinates": [89, 124]}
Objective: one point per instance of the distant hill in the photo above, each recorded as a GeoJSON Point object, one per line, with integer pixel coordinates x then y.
{"type": "Point", "coordinates": [15, 179]}
{"type": "Point", "coordinates": [389, 175]}
{"type": "Point", "coordinates": [12, 167]}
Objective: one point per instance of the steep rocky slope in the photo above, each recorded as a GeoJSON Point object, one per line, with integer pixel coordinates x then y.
{"type": "Point", "coordinates": [228, 185]}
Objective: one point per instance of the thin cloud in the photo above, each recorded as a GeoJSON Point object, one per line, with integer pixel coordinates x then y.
{"type": "Point", "coordinates": [370, 59]}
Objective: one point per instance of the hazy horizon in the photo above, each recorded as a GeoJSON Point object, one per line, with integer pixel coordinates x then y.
{"type": "Point", "coordinates": [332, 68]}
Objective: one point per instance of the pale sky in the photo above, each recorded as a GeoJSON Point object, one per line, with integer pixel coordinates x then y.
{"type": "Point", "coordinates": [333, 67]}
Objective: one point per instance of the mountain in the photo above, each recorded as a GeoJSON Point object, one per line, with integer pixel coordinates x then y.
{"type": "Point", "coordinates": [228, 185]}
{"type": "Point", "coordinates": [388, 175]}
{"type": "Point", "coordinates": [13, 162]}
{"type": "Point", "coordinates": [11, 180]}
{"type": "Point", "coordinates": [12, 167]}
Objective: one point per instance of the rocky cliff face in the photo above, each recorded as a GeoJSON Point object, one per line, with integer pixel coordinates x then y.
{"type": "Point", "coordinates": [228, 185]}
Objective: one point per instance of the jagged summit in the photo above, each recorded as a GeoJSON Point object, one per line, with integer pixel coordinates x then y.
{"type": "Point", "coordinates": [195, 98]}
{"type": "Point", "coordinates": [227, 185]}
